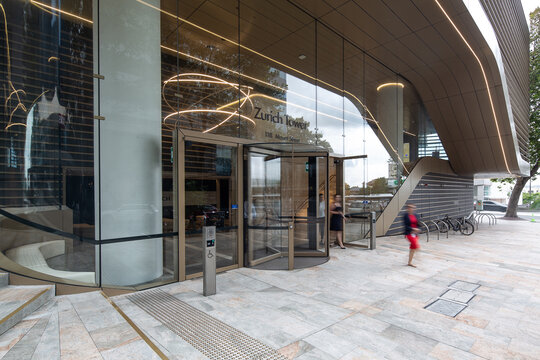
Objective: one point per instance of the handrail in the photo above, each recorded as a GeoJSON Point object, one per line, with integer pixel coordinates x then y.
{"type": "Point", "coordinates": [65, 234]}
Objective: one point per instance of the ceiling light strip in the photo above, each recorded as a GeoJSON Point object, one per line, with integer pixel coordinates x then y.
{"type": "Point", "coordinates": [39, 4]}
{"type": "Point", "coordinates": [390, 84]}
{"type": "Point", "coordinates": [268, 58]}
{"type": "Point", "coordinates": [485, 80]}
{"type": "Point", "coordinates": [371, 117]}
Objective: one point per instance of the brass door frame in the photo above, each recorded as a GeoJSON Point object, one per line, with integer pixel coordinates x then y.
{"type": "Point", "coordinates": [262, 151]}
{"type": "Point", "coordinates": [291, 252]}
{"type": "Point", "coordinates": [180, 138]}
{"type": "Point", "coordinates": [340, 181]}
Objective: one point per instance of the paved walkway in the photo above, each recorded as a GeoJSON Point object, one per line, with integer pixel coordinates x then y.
{"type": "Point", "coordinates": [361, 304]}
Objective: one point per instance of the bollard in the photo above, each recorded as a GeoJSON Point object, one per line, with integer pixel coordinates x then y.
{"type": "Point", "coordinates": [209, 260]}
{"type": "Point", "coordinates": [373, 231]}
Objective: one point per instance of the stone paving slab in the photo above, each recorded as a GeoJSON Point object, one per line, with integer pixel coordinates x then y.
{"type": "Point", "coordinates": [369, 305]}
{"type": "Point", "coordinates": [74, 327]}
{"type": "Point", "coordinates": [360, 305]}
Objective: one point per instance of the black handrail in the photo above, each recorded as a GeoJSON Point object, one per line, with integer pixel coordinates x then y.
{"type": "Point", "coordinates": [65, 234]}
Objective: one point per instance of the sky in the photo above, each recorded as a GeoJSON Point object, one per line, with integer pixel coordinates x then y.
{"type": "Point", "coordinates": [529, 6]}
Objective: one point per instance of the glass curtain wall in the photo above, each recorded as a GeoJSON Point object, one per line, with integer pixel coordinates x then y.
{"type": "Point", "coordinates": [47, 140]}
{"type": "Point", "coordinates": [93, 91]}
{"type": "Point", "coordinates": [83, 198]}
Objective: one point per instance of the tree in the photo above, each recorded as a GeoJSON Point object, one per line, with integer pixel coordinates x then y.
{"type": "Point", "coordinates": [379, 186]}
{"type": "Point", "coordinates": [534, 116]}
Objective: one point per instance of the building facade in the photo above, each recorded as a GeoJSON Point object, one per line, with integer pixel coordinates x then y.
{"type": "Point", "coordinates": [128, 125]}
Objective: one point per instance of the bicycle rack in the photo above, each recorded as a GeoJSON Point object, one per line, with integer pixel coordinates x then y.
{"type": "Point", "coordinates": [427, 228]}
{"type": "Point", "coordinates": [472, 217]}
{"type": "Point", "coordinates": [481, 218]}
{"type": "Point", "coordinates": [492, 219]}
{"type": "Point", "coordinates": [438, 229]}
{"type": "Point", "coordinates": [445, 225]}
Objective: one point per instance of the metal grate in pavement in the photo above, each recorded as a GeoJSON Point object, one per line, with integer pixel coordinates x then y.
{"type": "Point", "coordinates": [455, 295]}
{"type": "Point", "coordinates": [464, 285]}
{"type": "Point", "coordinates": [445, 307]}
{"type": "Point", "coordinates": [210, 336]}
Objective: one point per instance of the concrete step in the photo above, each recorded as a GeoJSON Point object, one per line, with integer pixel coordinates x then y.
{"type": "Point", "coordinates": [86, 325]}
{"type": "Point", "coordinates": [4, 279]}
{"type": "Point", "coordinates": [18, 302]}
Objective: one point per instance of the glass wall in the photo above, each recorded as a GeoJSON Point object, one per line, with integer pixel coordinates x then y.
{"type": "Point", "coordinates": [47, 139]}
{"type": "Point", "coordinates": [84, 197]}
{"type": "Point", "coordinates": [93, 91]}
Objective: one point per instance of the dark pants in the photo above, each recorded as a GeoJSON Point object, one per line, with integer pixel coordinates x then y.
{"type": "Point", "coordinates": [322, 228]}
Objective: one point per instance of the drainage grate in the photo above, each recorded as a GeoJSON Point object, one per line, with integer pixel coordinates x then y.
{"type": "Point", "coordinates": [456, 295]}
{"type": "Point", "coordinates": [210, 336]}
{"type": "Point", "coordinates": [464, 285]}
{"type": "Point", "coordinates": [445, 307]}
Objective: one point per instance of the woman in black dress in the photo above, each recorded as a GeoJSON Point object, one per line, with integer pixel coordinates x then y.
{"type": "Point", "coordinates": [336, 220]}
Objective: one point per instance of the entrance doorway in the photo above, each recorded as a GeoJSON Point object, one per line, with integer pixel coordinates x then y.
{"type": "Point", "coordinates": [208, 195]}
{"type": "Point", "coordinates": [357, 203]}
{"type": "Point", "coordinates": [269, 203]}
{"type": "Point", "coordinates": [285, 205]}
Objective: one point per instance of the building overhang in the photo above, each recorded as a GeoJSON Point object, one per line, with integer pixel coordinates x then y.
{"type": "Point", "coordinates": [448, 50]}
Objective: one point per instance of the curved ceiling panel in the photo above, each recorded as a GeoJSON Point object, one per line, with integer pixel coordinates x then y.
{"type": "Point", "coordinates": [438, 46]}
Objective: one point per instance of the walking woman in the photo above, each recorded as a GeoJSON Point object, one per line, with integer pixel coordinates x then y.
{"type": "Point", "coordinates": [411, 231]}
{"type": "Point", "coordinates": [336, 220]}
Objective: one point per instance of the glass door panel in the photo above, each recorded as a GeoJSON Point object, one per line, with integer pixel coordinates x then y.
{"type": "Point", "coordinates": [267, 233]}
{"type": "Point", "coordinates": [309, 197]}
{"type": "Point", "coordinates": [210, 200]}
{"type": "Point", "coordinates": [357, 201]}
{"type": "Point", "coordinates": [285, 189]}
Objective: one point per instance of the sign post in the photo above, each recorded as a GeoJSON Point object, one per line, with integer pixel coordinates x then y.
{"type": "Point", "coordinates": [209, 260]}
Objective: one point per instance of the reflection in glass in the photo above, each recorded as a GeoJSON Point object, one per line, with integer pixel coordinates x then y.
{"type": "Point", "coordinates": [267, 232]}
{"type": "Point", "coordinates": [47, 137]}
{"type": "Point", "coordinates": [210, 200]}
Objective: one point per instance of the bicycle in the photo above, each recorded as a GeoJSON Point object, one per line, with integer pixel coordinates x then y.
{"type": "Point", "coordinates": [466, 227]}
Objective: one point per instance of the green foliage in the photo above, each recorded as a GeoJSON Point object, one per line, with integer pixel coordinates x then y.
{"type": "Point", "coordinates": [533, 200]}
{"type": "Point", "coordinates": [379, 186]}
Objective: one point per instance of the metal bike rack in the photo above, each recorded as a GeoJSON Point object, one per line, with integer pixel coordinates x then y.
{"type": "Point", "coordinates": [438, 229]}
{"type": "Point", "coordinates": [445, 225]}
{"type": "Point", "coordinates": [481, 218]}
{"type": "Point", "coordinates": [472, 217]}
{"type": "Point", "coordinates": [427, 228]}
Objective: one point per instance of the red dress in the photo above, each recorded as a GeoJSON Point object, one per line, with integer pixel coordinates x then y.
{"type": "Point", "coordinates": [413, 238]}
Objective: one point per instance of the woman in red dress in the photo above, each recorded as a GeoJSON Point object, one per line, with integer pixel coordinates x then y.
{"type": "Point", "coordinates": [411, 231]}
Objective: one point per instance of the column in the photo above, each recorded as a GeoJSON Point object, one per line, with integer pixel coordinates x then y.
{"type": "Point", "coordinates": [129, 144]}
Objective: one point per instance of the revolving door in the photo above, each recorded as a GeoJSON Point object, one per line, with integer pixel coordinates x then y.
{"type": "Point", "coordinates": [285, 205]}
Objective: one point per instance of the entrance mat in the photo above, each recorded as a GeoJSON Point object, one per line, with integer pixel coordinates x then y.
{"type": "Point", "coordinates": [210, 336]}
{"type": "Point", "coordinates": [459, 296]}
{"type": "Point", "coordinates": [464, 285]}
{"type": "Point", "coordinates": [445, 307]}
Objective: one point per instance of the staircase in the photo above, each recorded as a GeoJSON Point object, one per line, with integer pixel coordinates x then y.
{"type": "Point", "coordinates": [17, 302]}
{"type": "Point", "coordinates": [35, 324]}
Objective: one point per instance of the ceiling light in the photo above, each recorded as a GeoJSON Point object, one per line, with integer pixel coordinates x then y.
{"type": "Point", "coordinates": [302, 56]}
{"type": "Point", "coordinates": [390, 84]}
